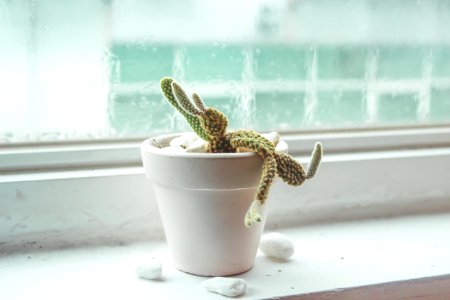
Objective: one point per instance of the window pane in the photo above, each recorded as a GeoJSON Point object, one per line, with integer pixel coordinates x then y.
{"type": "Point", "coordinates": [90, 69]}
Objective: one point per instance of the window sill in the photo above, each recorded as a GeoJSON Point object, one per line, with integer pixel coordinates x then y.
{"type": "Point", "coordinates": [391, 258]}
{"type": "Point", "coordinates": [78, 207]}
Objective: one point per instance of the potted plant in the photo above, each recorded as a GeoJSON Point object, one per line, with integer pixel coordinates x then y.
{"type": "Point", "coordinates": [213, 205]}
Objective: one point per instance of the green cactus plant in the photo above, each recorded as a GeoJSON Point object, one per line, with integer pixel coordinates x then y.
{"type": "Point", "coordinates": [211, 125]}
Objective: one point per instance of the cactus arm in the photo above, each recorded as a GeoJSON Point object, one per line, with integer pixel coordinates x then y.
{"type": "Point", "coordinates": [198, 102]}
{"type": "Point", "coordinates": [265, 149]}
{"type": "Point", "coordinates": [194, 122]}
{"type": "Point", "coordinates": [253, 141]}
{"type": "Point", "coordinates": [214, 123]}
{"type": "Point", "coordinates": [292, 172]}
{"type": "Point", "coordinates": [166, 88]}
{"type": "Point", "coordinates": [316, 158]}
{"type": "Point", "coordinates": [253, 214]}
{"type": "Point", "coordinates": [183, 100]}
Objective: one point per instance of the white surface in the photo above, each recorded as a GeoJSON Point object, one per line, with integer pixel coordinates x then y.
{"type": "Point", "coordinates": [327, 257]}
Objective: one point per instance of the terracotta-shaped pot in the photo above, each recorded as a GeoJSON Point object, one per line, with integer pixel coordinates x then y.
{"type": "Point", "coordinates": [203, 198]}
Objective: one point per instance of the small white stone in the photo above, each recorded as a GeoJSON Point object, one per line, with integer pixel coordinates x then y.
{"type": "Point", "coordinates": [151, 270]}
{"type": "Point", "coordinates": [161, 142]}
{"type": "Point", "coordinates": [180, 141]}
{"type": "Point", "coordinates": [230, 287]}
{"type": "Point", "coordinates": [184, 140]}
{"type": "Point", "coordinates": [198, 146]}
{"type": "Point", "coordinates": [274, 137]}
{"type": "Point", "coordinates": [276, 245]}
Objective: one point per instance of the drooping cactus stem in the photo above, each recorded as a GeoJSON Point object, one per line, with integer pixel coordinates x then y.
{"type": "Point", "coordinates": [267, 176]}
{"type": "Point", "coordinates": [265, 149]}
{"type": "Point", "coordinates": [183, 100]}
{"type": "Point", "coordinates": [253, 141]}
{"type": "Point", "coordinates": [253, 214]}
{"type": "Point", "coordinates": [290, 170]}
{"type": "Point", "coordinates": [198, 102]}
{"type": "Point", "coordinates": [316, 158]}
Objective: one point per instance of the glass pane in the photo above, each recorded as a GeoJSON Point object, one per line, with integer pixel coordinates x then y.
{"type": "Point", "coordinates": [141, 63]}
{"type": "Point", "coordinates": [213, 62]}
{"type": "Point", "coordinates": [281, 110]}
{"type": "Point", "coordinates": [282, 62]}
{"type": "Point", "coordinates": [398, 108]}
{"type": "Point", "coordinates": [90, 69]}
{"type": "Point", "coordinates": [440, 104]}
{"type": "Point", "coordinates": [340, 107]}
{"type": "Point", "coordinates": [342, 62]}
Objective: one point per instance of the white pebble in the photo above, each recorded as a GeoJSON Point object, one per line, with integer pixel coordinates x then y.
{"type": "Point", "coordinates": [274, 137]}
{"type": "Point", "coordinates": [161, 142]}
{"type": "Point", "coordinates": [184, 140]}
{"type": "Point", "coordinates": [230, 287]}
{"type": "Point", "coordinates": [276, 245]}
{"type": "Point", "coordinates": [198, 146]}
{"type": "Point", "coordinates": [151, 270]}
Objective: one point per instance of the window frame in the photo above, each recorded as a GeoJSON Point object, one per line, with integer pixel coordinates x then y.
{"type": "Point", "coordinates": [114, 153]}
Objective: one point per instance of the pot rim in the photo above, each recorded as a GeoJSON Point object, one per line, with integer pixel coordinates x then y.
{"type": "Point", "coordinates": [149, 145]}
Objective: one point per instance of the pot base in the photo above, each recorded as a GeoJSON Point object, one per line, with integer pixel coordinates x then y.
{"type": "Point", "coordinates": [218, 274]}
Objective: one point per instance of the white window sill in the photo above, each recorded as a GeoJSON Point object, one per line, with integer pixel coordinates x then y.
{"type": "Point", "coordinates": [104, 205]}
{"type": "Point", "coordinates": [390, 258]}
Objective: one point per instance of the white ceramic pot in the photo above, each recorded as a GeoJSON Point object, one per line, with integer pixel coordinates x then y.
{"type": "Point", "coordinates": [203, 198]}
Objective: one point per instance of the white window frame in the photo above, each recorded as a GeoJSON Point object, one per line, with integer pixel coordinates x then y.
{"type": "Point", "coordinates": [113, 153]}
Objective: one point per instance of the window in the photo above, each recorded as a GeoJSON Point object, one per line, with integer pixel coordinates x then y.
{"type": "Point", "coordinates": [90, 70]}
{"type": "Point", "coordinates": [79, 91]}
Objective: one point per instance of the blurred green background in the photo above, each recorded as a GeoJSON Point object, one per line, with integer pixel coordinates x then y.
{"type": "Point", "coordinates": [336, 83]}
